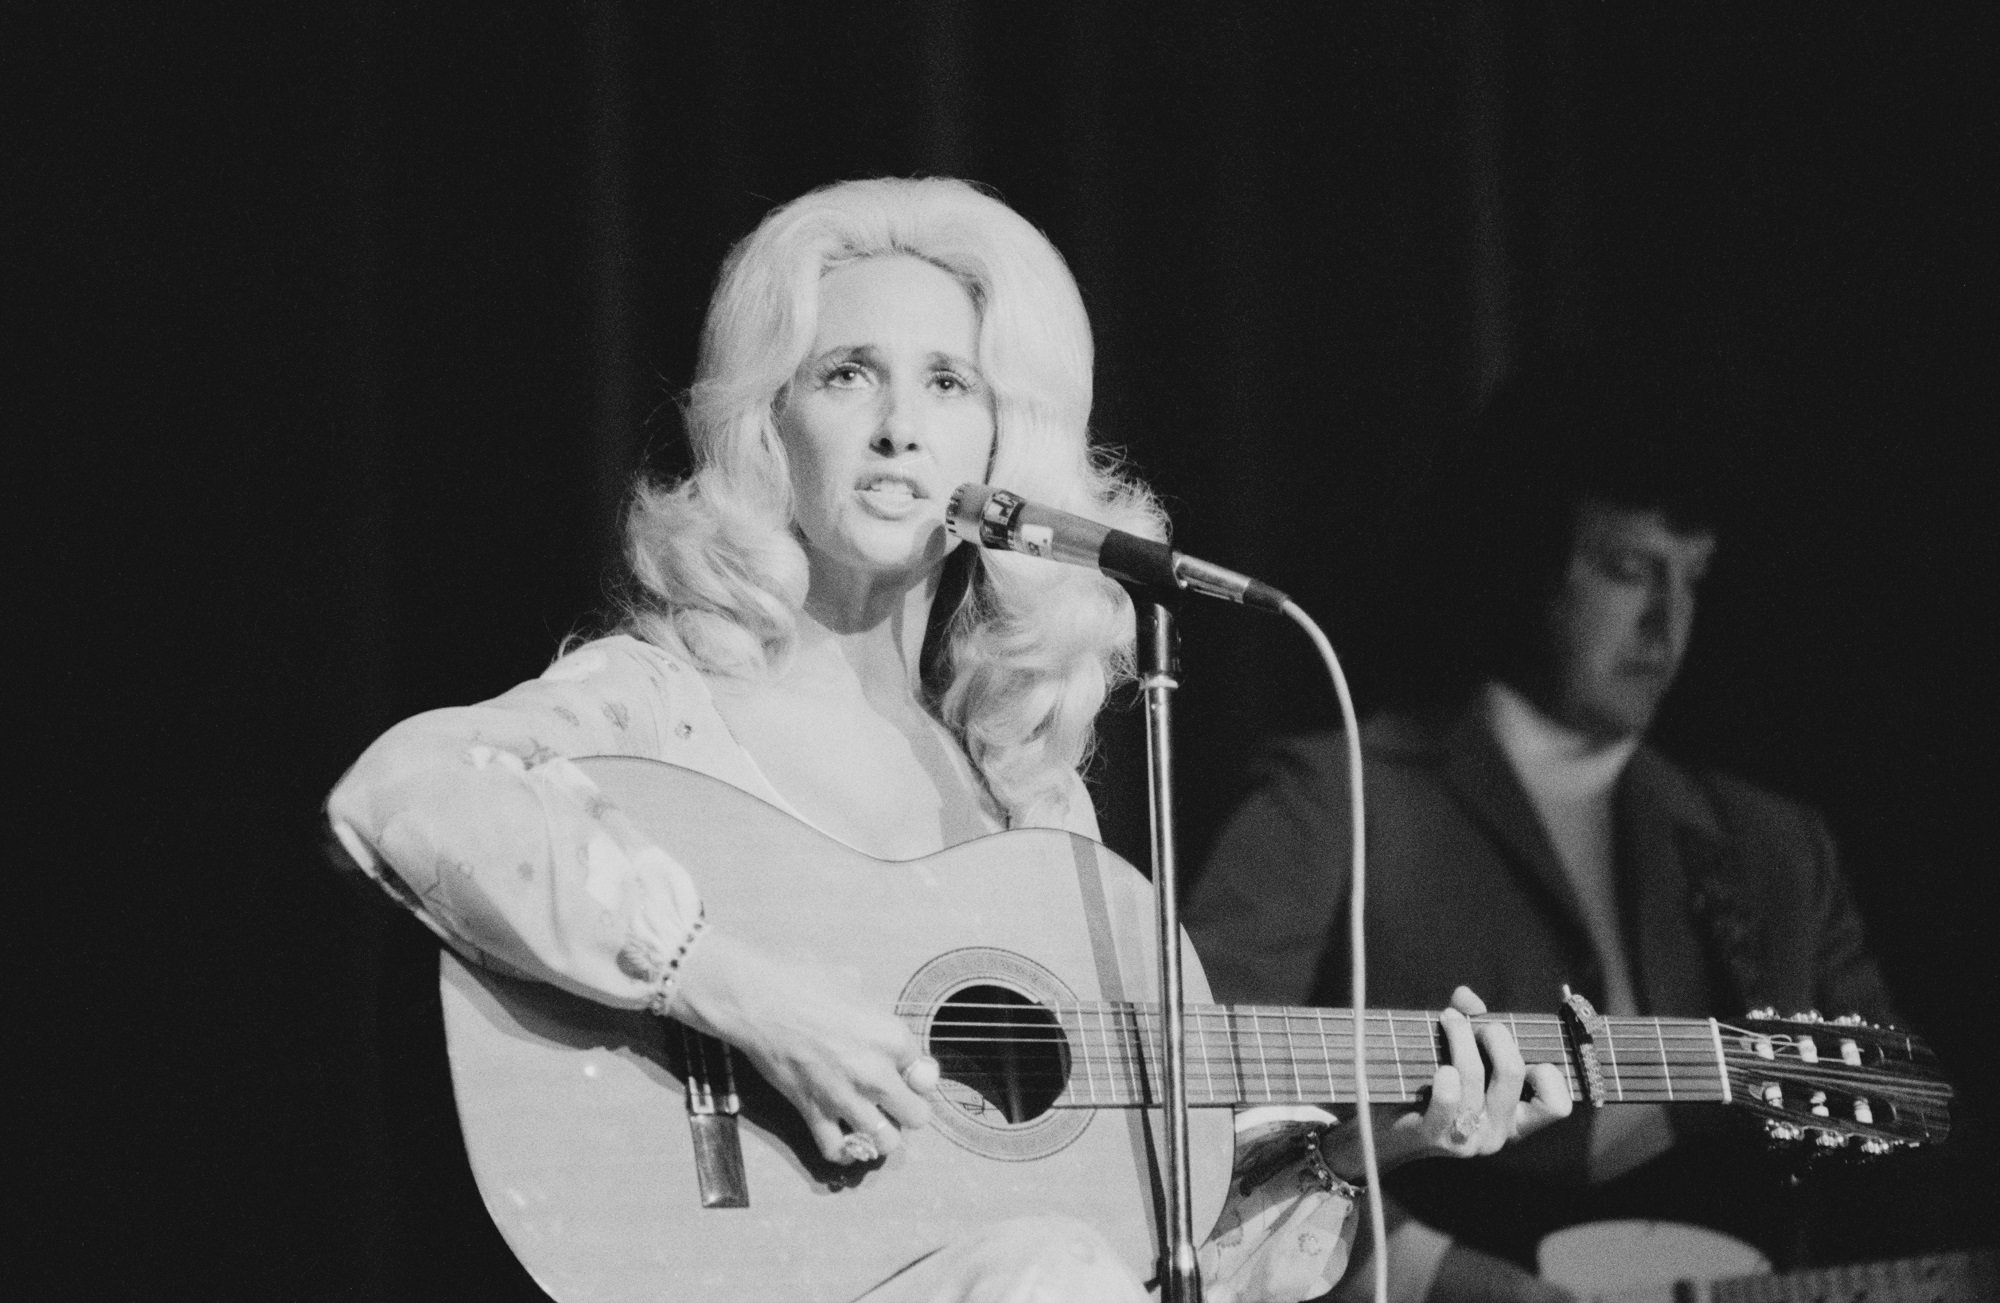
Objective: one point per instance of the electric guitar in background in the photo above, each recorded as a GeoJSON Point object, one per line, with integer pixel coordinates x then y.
{"type": "Point", "coordinates": [1665, 1262]}
{"type": "Point", "coordinates": [624, 1158]}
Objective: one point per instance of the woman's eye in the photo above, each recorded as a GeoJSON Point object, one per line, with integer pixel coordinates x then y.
{"type": "Point", "coordinates": [844, 375]}
{"type": "Point", "coordinates": [951, 383]}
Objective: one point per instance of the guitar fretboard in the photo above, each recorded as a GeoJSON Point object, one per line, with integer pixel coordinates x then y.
{"type": "Point", "coordinates": [1251, 1054]}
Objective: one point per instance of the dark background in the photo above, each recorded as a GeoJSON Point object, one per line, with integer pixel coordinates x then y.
{"type": "Point", "coordinates": [344, 326]}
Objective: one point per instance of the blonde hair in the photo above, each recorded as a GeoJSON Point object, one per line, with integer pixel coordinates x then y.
{"type": "Point", "coordinates": [1031, 648]}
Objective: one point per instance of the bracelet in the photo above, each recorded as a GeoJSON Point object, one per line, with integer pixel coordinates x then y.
{"type": "Point", "coordinates": [1324, 1175]}
{"type": "Point", "coordinates": [645, 963]}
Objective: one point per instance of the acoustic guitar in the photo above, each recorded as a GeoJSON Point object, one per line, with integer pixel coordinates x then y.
{"type": "Point", "coordinates": [624, 1158]}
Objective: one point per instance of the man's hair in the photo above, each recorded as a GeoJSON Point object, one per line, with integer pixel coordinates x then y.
{"type": "Point", "coordinates": [1633, 431]}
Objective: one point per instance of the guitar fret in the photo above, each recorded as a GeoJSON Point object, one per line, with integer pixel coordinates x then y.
{"type": "Point", "coordinates": [1199, 1044]}
{"type": "Point", "coordinates": [1192, 1022]}
{"type": "Point", "coordinates": [1144, 1059]}
{"type": "Point", "coordinates": [1514, 1028]}
{"type": "Point", "coordinates": [1281, 1052]}
{"type": "Point", "coordinates": [1083, 1038]}
{"type": "Point", "coordinates": [1215, 1044]}
{"type": "Point", "coordinates": [1325, 1053]}
{"type": "Point", "coordinates": [1113, 1053]}
{"type": "Point", "coordinates": [1611, 1061]}
{"type": "Point", "coordinates": [1396, 1056]}
{"type": "Point", "coordinates": [1291, 1052]}
{"type": "Point", "coordinates": [1207, 1066]}
{"type": "Point", "coordinates": [1234, 1042]}
{"type": "Point", "coordinates": [1721, 1063]}
{"type": "Point", "coordinates": [1263, 1063]}
{"type": "Point", "coordinates": [1661, 1041]}
{"type": "Point", "coordinates": [1152, 1051]}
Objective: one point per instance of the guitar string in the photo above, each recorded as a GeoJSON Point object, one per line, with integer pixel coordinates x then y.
{"type": "Point", "coordinates": [1331, 1089]}
{"type": "Point", "coordinates": [1639, 1078]}
{"type": "Point", "coordinates": [1650, 1042]}
{"type": "Point", "coordinates": [1746, 1072]}
{"type": "Point", "coordinates": [1640, 1074]}
{"type": "Point", "coordinates": [1697, 1058]}
{"type": "Point", "coordinates": [1257, 1015]}
{"type": "Point", "coordinates": [1693, 1066]}
{"type": "Point", "coordinates": [1649, 1060]}
{"type": "Point", "coordinates": [1253, 1017]}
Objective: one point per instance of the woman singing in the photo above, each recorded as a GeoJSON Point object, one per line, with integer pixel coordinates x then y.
{"type": "Point", "coordinates": [805, 629]}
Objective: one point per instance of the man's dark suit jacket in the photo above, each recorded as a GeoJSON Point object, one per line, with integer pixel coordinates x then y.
{"type": "Point", "coordinates": [1731, 899]}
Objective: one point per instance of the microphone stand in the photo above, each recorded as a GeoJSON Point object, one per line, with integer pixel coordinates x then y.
{"type": "Point", "coordinates": [1180, 1277]}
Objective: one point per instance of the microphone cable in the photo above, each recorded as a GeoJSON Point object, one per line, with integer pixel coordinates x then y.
{"type": "Point", "coordinates": [1356, 943]}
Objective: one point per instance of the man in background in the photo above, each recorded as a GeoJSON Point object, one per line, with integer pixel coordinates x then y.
{"type": "Point", "coordinates": [1523, 836]}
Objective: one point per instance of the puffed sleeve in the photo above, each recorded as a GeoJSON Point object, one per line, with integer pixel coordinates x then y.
{"type": "Point", "coordinates": [476, 819]}
{"type": "Point", "coordinates": [1287, 1228]}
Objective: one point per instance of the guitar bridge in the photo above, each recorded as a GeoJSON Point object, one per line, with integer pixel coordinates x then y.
{"type": "Point", "coordinates": [712, 1121]}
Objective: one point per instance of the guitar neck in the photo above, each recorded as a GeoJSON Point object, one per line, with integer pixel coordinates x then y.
{"type": "Point", "coordinates": [1254, 1054]}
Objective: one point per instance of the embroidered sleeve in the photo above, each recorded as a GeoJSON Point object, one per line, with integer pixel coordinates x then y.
{"type": "Point", "coordinates": [1287, 1227]}
{"type": "Point", "coordinates": [476, 819]}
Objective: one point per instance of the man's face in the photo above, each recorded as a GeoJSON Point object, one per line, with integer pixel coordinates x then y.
{"type": "Point", "coordinates": [1619, 624]}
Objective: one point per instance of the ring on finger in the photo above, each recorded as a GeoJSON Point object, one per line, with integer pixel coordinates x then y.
{"type": "Point", "coordinates": [1465, 1126]}
{"type": "Point", "coordinates": [859, 1147]}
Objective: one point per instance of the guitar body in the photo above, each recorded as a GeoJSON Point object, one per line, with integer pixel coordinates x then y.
{"type": "Point", "coordinates": [575, 1115]}
{"type": "Point", "coordinates": [1666, 1262]}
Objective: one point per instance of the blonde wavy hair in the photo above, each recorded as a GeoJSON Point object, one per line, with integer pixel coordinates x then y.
{"type": "Point", "coordinates": [1028, 649]}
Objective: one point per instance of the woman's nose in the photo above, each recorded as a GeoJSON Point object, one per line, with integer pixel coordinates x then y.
{"type": "Point", "coordinates": [900, 427]}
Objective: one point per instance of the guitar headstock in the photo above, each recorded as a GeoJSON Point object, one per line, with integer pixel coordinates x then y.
{"type": "Point", "coordinates": [1844, 1082]}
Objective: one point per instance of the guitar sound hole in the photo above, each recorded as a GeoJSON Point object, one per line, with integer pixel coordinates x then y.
{"type": "Point", "coordinates": [1002, 1047]}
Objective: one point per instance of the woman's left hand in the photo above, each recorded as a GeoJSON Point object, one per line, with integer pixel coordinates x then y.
{"type": "Point", "coordinates": [1484, 1098]}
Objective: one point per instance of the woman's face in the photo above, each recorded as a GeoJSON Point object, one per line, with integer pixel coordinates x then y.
{"type": "Point", "coordinates": [885, 417]}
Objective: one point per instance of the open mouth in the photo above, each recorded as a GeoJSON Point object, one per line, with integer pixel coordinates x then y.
{"type": "Point", "coordinates": [890, 492]}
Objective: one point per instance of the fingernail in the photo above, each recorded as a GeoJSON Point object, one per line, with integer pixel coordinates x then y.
{"type": "Point", "coordinates": [922, 1076]}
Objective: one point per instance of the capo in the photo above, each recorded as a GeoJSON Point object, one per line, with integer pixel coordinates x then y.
{"type": "Point", "coordinates": [1582, 1021]}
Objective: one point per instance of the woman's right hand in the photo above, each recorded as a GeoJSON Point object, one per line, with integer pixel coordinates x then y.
{"type": "Point", "coordinates": [856, 1075]}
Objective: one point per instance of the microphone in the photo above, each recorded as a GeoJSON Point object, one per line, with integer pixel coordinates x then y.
{"type": "Point", "coordinates": [995, 518]}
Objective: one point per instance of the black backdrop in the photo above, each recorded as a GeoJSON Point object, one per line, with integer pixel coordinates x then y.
{"type": "Point", "coordinates": [348, 324]}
